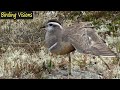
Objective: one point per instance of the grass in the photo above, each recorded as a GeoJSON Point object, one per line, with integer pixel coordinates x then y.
{"type": "Point", "coordinates": [23, 55]}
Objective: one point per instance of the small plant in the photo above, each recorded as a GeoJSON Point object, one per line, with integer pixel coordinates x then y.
{"type": "Point", "coordinates": [49, 65]}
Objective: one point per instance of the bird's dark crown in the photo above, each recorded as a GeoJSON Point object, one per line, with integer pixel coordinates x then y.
{"type": "Point", "coordinates": [54, 20]}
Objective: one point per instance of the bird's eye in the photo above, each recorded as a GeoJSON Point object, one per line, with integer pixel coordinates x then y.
{"type": "Point", "coordinates": [50, 24]}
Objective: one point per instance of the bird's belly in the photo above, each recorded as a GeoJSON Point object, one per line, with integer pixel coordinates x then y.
{"type": "Point", "coordinates": [65, 48]}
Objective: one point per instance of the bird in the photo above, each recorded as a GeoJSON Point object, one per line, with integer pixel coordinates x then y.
{"type": "Point", "coordinates": [81, 36]}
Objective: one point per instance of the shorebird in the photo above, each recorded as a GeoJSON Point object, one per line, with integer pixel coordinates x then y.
{"type": "Point", "coordinates": [81, 37]}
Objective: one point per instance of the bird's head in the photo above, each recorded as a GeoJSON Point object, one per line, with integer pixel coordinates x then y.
{"type": "Point", "coordinates": [52, 25]}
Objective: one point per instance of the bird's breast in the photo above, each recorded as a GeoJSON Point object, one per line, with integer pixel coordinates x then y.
{"type": "Point", "coordinates": [50, 40]}
{"type": "Point", "coordinates": [64, 48]}
{"type": "Point", "coordinates": [61, 48]}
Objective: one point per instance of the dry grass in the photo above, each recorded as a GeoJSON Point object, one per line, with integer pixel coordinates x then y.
{"type": "Point", "coordinates": [23, 56]}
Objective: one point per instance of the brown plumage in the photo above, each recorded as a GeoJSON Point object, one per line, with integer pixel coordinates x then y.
{"type": "Point", "coordinates": [84, 39]}
{"type": "Point", "coordinates": [81, 37]}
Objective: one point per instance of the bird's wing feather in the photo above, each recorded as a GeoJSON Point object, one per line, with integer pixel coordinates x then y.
{"type": "Point", "coordinates": [86, 40]}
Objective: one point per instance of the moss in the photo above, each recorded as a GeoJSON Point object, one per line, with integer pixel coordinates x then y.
{"type": "Point", "coordinates": [16, 57]}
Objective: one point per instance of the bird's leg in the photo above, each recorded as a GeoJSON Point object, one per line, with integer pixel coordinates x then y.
{"type": "Point", "coordinates": [69, 67]}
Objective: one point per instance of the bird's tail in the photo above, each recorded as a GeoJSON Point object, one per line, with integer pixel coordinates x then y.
{"type": "Point", "coordinates": [103, 50]}
{"type": "Point", "coordinates": [108, 54]}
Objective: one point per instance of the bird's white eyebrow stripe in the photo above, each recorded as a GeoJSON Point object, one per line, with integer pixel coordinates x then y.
{"type": "Point", "coordinates": [55, 23]}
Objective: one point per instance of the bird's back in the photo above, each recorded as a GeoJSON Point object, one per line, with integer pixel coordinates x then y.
{"type": "Point", "coordinates": [84, 39]}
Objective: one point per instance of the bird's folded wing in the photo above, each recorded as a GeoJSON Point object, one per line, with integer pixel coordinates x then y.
{"type": "Point", "coordinates": [86, 40]}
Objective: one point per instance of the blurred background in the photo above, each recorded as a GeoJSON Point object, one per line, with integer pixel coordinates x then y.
{"type": "Point", "coordinates": [23, 55]}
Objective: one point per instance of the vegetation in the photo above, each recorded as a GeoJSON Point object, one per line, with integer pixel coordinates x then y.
{"type": "Point", "coordinates": [23, 55]}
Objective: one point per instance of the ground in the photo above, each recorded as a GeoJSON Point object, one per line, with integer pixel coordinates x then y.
{"type": "Point", "coordinates": [23, 55]}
